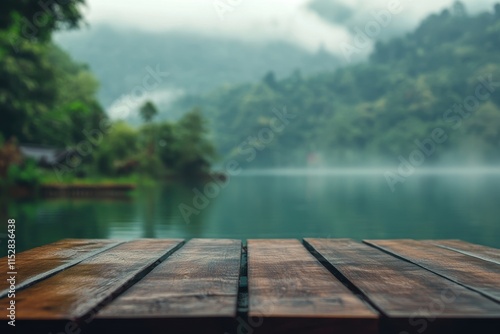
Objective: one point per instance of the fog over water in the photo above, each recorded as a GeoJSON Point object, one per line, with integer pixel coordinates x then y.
{"type": "Point", "coordinates": [463, 171]}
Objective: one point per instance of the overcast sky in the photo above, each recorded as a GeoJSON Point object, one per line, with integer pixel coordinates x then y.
{"type": "Point", "coordinates": [258, 20]}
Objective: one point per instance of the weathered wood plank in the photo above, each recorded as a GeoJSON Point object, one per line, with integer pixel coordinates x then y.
{"type": "Point", "coordinates": [411, 297]}
{"type": "Point", "coordinates": [200, 280]}
{"type": "Point", "coordinates": [42, 262]}
{"type": "Point", "coordinates": [79, 290]}
{"type": "Point", "coordinates": [285, 281]}
{"type": "Point", "coordinates": [195, 290]}
{"type": "Point", "coordinates": [481, 252]}
{"type": "Point", "coordinates": [474, 273]}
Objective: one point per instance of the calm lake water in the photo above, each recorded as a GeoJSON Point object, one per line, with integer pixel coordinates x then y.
{"type": "Point", "coordinates": [279, 205]}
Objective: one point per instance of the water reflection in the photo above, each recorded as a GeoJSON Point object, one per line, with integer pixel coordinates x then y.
{"type": "Point", "coordinates": [269, 206]}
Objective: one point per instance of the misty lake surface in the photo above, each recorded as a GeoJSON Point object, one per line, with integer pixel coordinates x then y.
{"type": "Point", "coordinates": [281, 204]}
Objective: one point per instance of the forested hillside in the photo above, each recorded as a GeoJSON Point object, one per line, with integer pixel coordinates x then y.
{"type": "Point", "coordinates": [375, 111]}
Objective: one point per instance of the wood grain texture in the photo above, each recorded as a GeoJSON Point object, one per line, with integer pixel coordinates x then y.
{"type": "Point", "coordinates": [199, 280]}
{"type": "Point", "coordinates": [79, 290]}
{"type": "Point", "coordinates": [426, 287]}
{"type": "Point", "coordinates": [476, 274]}
{"type": "Point", "coordinates": [402, 290]}
{"type": "Point", "coordinates": [39, 263]}
{"type": "Point", "coordinates": [481, 252]}
{"type": "Point", "coordinates": [285, 281]}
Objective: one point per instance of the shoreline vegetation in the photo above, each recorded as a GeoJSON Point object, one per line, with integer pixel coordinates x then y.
{"type": "Point", "coordinates": [97, 187]}
{"type": "Point", "coordinates": [121, 157]}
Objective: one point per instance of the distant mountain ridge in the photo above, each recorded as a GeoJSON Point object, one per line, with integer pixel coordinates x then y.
{"type": "Point", "coordinates": [197, 63]}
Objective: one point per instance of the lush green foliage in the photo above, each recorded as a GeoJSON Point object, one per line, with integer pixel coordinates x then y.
{"type": "Point", "coordinates": [36, 20]}
{"type": "Point", "coordinates": [48, 99]}
{"type": "Point", "coordinates": [26, 174]}
{"type": "Point", "coordinates": [157, 149]}
{"type": "Point", "coordinates": [45, 97]}
{"type": "Point", "coordinates": [374, 111]}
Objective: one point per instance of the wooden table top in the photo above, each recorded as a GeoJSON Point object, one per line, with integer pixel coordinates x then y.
{"type": "Point", "coordinates": [267, 286]}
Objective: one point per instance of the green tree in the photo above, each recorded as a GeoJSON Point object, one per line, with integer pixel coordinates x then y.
{"type": "Point", "coordinates": [27, 87]}
{"type": "Point", "coordinates": [198, 152]}
{"type": "Point", "coordinates": [119, 150]}
{"type": "Point", "coordinates": [169, 148]}
{"type": "Point", "coordinates": [148, 111]}
{"type": "Point", "coordinates": [33, 19]}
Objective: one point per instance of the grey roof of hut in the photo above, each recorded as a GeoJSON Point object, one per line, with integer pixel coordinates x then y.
{"type": "Point", "coordinates": [43, 154]}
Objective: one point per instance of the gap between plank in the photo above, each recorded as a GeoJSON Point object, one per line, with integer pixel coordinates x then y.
{"type": "Point", "coordinates": [242, 299]}
{"type": "Point", "coordinates": [47, 274]}
{"type": "Point", "coordinates": [344, 280]}
{"type": "Point", "coordinates": [432, 271]}
{"type": "Point", "coordinates": [83, 320]}
{"type": "Point", "coordinates": [477, 256]}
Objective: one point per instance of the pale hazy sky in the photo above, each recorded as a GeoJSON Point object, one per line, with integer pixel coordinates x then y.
{"type": "Point", "coordinates": [258, 20]}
